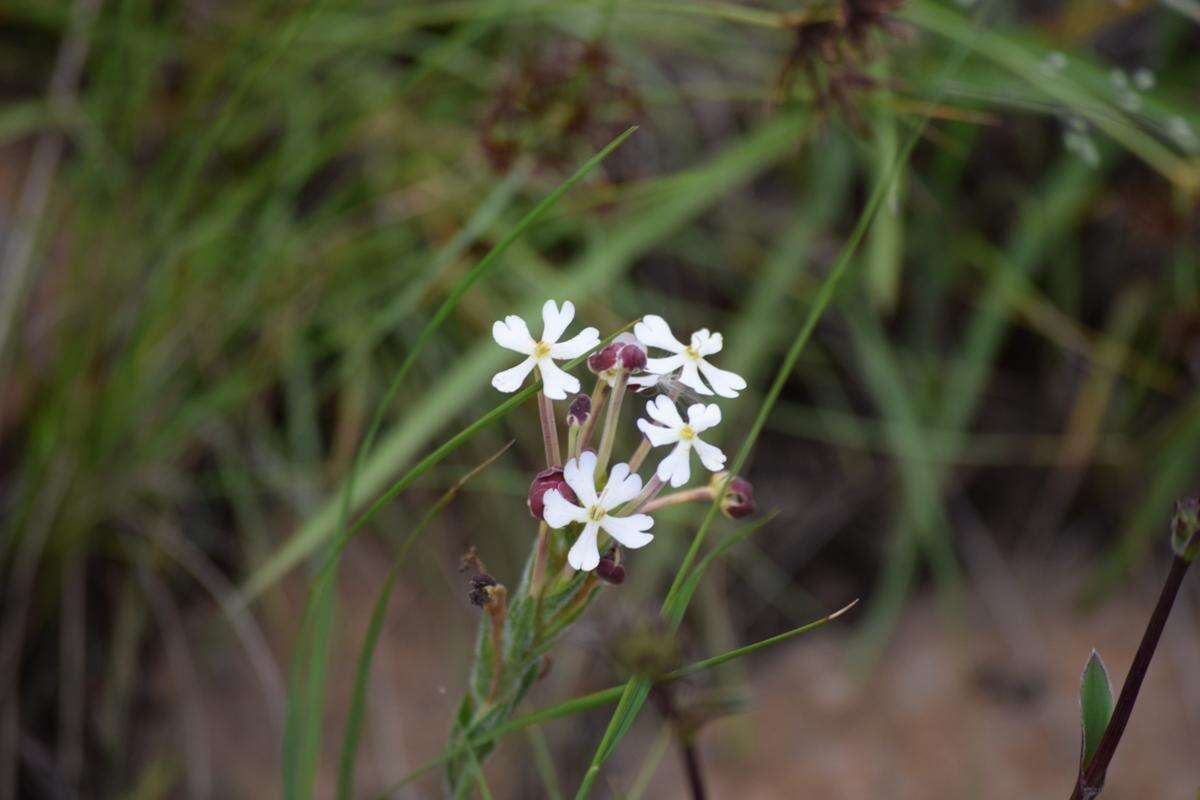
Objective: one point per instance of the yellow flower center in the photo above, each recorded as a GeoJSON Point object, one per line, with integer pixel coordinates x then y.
{"type": "Point", "coordinates": [541, 350]}
{"type": "Point", "coordinates": [596, 513]}
{"type": "Point", "coordinates": [691, 353]}
{"type": "Point", "coordinates": [686, 433]}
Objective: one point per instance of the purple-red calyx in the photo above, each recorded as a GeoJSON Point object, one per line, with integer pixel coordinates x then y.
{"type": "Point", "coordinates": [604, 359]}
{"type": "Point", "coordinates": [739, 499]}
{"type": "Point", "coordinates": [580, 410]}
{"type": "Point", "coordinates": [543, 482]}
{"type": "Point", "coordinates": [633, 356]}
{"type": "Point", "coordinates": [609, 570]}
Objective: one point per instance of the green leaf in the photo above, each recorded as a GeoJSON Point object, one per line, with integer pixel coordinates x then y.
{"type": "Point", "coordinates": [1096, 704]}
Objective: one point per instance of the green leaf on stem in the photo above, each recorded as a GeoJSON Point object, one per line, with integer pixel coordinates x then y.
{"type": "Point", "coordinates": [1096, 705]}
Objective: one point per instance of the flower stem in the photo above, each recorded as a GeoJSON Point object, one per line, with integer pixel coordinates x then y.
{"type": "Point", "coordinates": [549, 430]}
{"type": "Point", "coordinates": [613, 414]}
{"type": "Point", "coordinates": [699, 494]}
{"type": "Point", "coordinates": [691, 765]}
{"type": "Point", "coordinates": [599, 395]}
{"type": "Point", "coordinates": [537, 582]}
{"type": "Point", "coordinates": [639, 455]}
{"type": "Point", "coordinates": [1091, 779]}
{"type": "Point", "coordinates": [651, 490]}
{"type": "Point", "coordinates": [497, 609]}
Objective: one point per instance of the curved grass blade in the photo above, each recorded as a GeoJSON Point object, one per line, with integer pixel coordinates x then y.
{"type": "Point", "coordinates": [366, 655]}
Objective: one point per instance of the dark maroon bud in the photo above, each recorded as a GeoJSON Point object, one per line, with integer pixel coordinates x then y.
{"type": "Point", "coordinates": [604, 359]}
{"type": "Point", "coordinates": [739, 499]}
{"type": "Point", "coordinates": [480, 585]}
{"type": "Point", "coordinates": [633, 356]}
{"type": "Point", "coordinates": [579, 410]}
{"type": "Point", "coordinates": [546, 480]}
{"type": "Point", "coordinates": [609, 570]}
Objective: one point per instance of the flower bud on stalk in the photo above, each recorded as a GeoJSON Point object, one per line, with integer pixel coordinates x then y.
{"type": "Point", "coordinates": [1185, 529]}
{"type": "Point", "coordinates": [578, 415]}
{"type": "Point", "coordinates": [543, 482]}
{"type": "Point", "coordinates": [579, 411]}
{"type": "Point", "coordinates": [738, 501]}
{"type": "Point", "coordinates": [609, 570]}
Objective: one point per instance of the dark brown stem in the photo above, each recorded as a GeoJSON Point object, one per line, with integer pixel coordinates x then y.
{"type": "Point", "coordinates": [1091, 778]}
{"type": "Point", "coordinates": [691, 766]}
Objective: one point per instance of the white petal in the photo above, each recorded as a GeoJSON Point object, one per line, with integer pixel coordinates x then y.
{"type": "Point", "coordinates": [657, 434]}
{"type": "Point", "coordinates": [724, 382]}
{"type": "Point", "coordinates": [577, 345]}
{"type": "Point", "coordinates": [640, 381]}
{"type": "Point", "coordinates": [661, 366]}
{"type": "Point", "coordinates": [675, 468]}
{"type": "Point", "coordinates": [510, 380]}
{"type": "Point", "coordinates": [710, 455]}
{"type": "Point", "coordinates": [559, 511]}
{"type": "Point", "coordinates": [653, 331]}
{"type": "Point", "coordinates": [706, 343]}
{"type": "Point", "coordinates": [689, 377]}
{"type": "Point", "coordinates": [584, 555]}
{"type": "Point", "coordinates": [702, 417]}
{"type": "Point", "coordinates": [621, 487]}
{"type": "Point", "coordinates": [556, 384]}
{"type": "Point", "coordinates": [661, 409]}
{"type": "Point", "coordinates": [580, 475]}
{"type": "Point", "coordinates": [556, 320]}
{"type": "Point", "coordinates": [629, 531]}
{"type": "Point", "coordinates": [513, 334]}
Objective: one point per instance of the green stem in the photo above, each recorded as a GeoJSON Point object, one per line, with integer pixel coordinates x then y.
{"type": "Point", "coordinates": [610, 423]}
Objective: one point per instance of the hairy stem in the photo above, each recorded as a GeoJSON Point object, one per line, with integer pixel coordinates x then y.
{"type": "Point", "coordinates": [702, 494]}
{"type": "Point", "coordinates": [639, 455]}
{"type": "Point", "coordinates": [549, 430]}
{"type": "Point", "coordinates": [609, 435]}
{"type": "Point", "coordinates": [1091, 779]}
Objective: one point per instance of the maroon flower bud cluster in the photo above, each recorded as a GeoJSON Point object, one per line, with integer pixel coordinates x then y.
{"type": "Point", "coordinates": [543, 482]}
{"type": "Point", "coordinates": [739, 499]}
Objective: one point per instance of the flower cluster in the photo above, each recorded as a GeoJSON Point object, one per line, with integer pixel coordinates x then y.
{"type": "Point", "coordinates": [584, 494]}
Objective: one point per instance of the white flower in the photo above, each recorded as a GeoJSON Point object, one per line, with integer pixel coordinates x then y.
{"type": "Point", "coordinates": [676, 467]}
{"type": "Point", "coordinates": [653, 331]}
{"type": "Point", "coordinates": [513, 334]}
{"type": "Point", "coordinates": [622, 487]}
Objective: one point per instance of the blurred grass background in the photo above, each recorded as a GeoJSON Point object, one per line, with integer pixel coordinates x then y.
{"type": "Point", "coordinates": [223, 226]}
